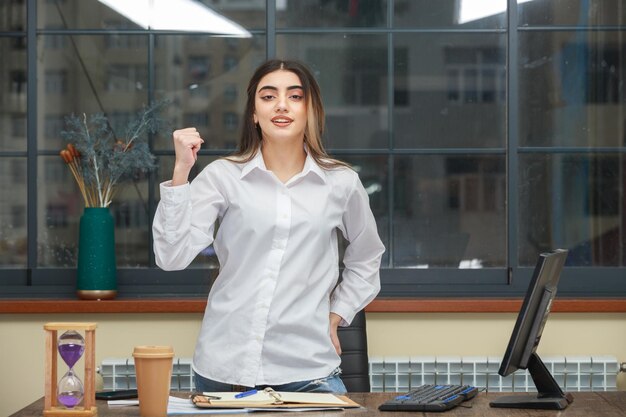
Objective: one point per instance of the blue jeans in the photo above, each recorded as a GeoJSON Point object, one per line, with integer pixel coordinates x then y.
{"type": "Point", "coordinates": [331, 383]}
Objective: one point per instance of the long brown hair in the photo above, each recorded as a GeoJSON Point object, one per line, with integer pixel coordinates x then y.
{"type": "Point", "coordinates": [251, 135]}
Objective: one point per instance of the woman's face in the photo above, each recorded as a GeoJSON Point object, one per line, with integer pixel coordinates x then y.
{"type": "Point", "coordinates": [280, 106]}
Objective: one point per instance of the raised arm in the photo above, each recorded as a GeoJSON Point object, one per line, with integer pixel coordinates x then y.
{"type": "Point", "coordinates": [185, 217]}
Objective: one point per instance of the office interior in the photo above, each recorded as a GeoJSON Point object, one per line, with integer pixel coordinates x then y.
{"type": "Point", "coordinates": [485, 133]}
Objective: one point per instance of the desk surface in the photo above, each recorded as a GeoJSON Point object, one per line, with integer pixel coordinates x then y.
{"type": "Point", "coordinates": [586, 404]}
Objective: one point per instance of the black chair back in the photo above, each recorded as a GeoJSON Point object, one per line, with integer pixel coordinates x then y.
{"type": "Point", "coordinates": [354, 359]}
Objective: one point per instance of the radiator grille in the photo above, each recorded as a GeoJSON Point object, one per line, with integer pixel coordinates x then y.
{"type": "Point", "coordinates": [120, 374]}
{"type": "Point", "coordinates": [590, 373]}
{"type": "Point", "coordinates": [400, 374]}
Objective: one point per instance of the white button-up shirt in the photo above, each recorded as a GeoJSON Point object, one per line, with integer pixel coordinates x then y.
{"type": "Point", "coordinates": [267, 315]}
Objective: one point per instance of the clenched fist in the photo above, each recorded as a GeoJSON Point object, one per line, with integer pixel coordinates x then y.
{"type": "Point", "coordinates": [187, 143]}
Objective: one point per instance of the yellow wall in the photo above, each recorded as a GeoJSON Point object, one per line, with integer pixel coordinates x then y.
{"type": "Point", "coordinates": [389, 334]}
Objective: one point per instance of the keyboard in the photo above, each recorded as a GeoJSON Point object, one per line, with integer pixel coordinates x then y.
{"type": "Point", "coordinates": [431, 398]}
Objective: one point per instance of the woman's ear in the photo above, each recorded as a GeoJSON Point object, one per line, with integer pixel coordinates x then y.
{"type": "Point", "coordinates": [256, 121]}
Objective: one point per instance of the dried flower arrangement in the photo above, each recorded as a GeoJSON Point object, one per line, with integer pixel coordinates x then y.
{"type": "Point", "coordinates": [100, 161]}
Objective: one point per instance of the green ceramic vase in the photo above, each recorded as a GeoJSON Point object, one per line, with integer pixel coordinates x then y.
{"type": "Point", "coordinates": [96, 275]}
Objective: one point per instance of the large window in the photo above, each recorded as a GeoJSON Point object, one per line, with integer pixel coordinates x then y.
{"type": "Point", "coordinates": [484, 132]}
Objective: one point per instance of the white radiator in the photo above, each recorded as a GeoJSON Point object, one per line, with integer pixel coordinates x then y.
{"type": "Point", "coordinates": [400, 374]}
{"type": "Point", "coordinates": [120, 374]}
{"type": "Point", "coordinates": [587, 373]}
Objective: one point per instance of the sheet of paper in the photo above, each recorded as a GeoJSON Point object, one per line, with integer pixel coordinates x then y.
{"type": "Point", "coordinates": [263, 397]}
{"type": "Point", "coordinates": [311, 398]}
{"type": "Point", "coordinates": [178, 406]}
{"type": "Point", "coordinates": [259, 398]}
{"type": "Point", "coordinates": [122, 403]}
{"type": "Point", "coordinates": [293, 409]}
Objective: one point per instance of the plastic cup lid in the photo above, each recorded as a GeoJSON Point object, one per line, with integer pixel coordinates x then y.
{"type": "Point", "coordinates": [153, 352]}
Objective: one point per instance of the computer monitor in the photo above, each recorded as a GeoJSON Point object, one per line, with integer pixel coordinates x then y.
{"type": "Point", "coordinates": [521, 352]}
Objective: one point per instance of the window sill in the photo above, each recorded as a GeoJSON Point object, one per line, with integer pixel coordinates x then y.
{"type": "Point", "coordinates": [409, 305]}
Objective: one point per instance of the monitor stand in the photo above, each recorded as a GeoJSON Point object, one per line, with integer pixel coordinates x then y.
{"type": "Point", "coordinates": [549, 395]}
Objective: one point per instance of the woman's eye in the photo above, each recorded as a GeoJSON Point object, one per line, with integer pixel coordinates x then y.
{"type": "Point", "coordinates": [297, 97]}
{"type": "Point", "coordinates": [268, 97]}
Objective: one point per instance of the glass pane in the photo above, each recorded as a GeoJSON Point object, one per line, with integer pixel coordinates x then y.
{"type": "Point", "coordinates": [474, 14]}
{"type": "Point", "coordinates": [13, 15]}
{"type": "Point", "coordinates": [576, 202]}
{"type": "Point", "coordinates": [352, 73]}
{"type": "Point", "coordinates": [184, 15]}
{"type": "Point", "coordinates": [13, 85]}
{"type": "Point", "coordinates": [81, 14]}
{"type": "Point", "coordinates": [206, 78]}
{"type": "Point", "coordinates": [107, 74]}
{"type": "Point", "coordinates": [248, 13]}
{"type": "Point", "coordinates": [61, 205]}
{"type": "Point", "coordinates": [324, 13]}
{"type": "Point", "coordinates": [571, 90]}
{"type": "Point", "coordinates": [571, 12]}
{"type": "Point", "coordinates": [13, 222]}
{"type": "Point", "coordinates": [60, 208]}
{"type": "Point", "coordinates": [133, 224]}
{"type": "Point", "coordinates": [449, 90]}
{"type": "Point", "coordinates": [449, 211]}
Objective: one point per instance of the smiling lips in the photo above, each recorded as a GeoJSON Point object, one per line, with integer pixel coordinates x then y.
{"type": "Point", "coordinates": [282, 121]}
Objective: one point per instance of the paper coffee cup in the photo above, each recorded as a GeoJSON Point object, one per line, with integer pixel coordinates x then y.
{"type": "Point", "coordinates": [153, 368]}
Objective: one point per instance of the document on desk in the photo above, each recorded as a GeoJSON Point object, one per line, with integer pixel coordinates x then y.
{"type": "Point", "coordinates": [270, 399]}
{"type": "Point", "coordinates": [122, 403]}
{"type": "Point", "coordinates": [179, 406]}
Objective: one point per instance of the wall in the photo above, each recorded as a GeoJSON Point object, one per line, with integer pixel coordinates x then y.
{"type": "Point", "coordinates": [389, 334]}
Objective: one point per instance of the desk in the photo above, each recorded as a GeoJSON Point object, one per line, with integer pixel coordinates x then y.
{"type": "Point", "coordinates": [586, 404]}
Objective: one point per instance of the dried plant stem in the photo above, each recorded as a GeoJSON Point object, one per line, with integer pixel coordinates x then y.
{"type": "Point", "coordinates": [108, 194]}
{"type": "Point", "coordinates": [93, 198]}
{"type": "Point", "coordinates": [142, 125]}
{"type": "Point", "coordinates": [94, 161]}
{"type": "Point", "coordinates": [79, 181]}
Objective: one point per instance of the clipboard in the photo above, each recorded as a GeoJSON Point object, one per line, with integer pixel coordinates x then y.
{"type": "Point", "coordinates": [268, 398]}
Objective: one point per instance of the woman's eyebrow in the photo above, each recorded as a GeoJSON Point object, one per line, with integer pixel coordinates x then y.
{"type": "Point", "coordinates": [271, 87]}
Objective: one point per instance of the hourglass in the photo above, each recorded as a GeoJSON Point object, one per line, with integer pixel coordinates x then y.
{"type": "Point", "coordinates": [62, 399]}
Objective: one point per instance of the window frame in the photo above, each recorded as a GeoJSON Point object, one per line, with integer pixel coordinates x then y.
{"type": "Point", "coordinates": [510, 281]}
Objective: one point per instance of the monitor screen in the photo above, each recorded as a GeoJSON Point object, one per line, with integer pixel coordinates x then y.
{"type": "Point", "coordinates": [521, 352]}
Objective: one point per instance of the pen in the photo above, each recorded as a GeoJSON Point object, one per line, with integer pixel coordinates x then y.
{"type": "Point", "coordinates": [246, 393]}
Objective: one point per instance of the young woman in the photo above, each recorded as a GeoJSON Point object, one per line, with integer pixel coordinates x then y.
{"type": "Point", "coordinates": [272, 314]}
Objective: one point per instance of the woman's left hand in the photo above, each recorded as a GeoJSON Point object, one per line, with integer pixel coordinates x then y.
{"type": "Point", "coordinates": [335, 319]}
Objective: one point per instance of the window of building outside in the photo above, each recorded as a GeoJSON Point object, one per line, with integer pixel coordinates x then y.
{"type": "Point", "coordinates": [199, 119]}
{"type": "Point", "coordinates": [483, 136]}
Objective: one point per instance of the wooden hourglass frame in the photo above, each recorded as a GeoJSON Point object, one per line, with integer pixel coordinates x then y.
{"type": "Point", "coordinates": [51, 405]}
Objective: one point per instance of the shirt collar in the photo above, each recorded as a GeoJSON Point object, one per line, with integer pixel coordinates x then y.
{"type": "Point", "coordinates": [311, 166]}
{"type": "Point", "coordinates": [257, 162]}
